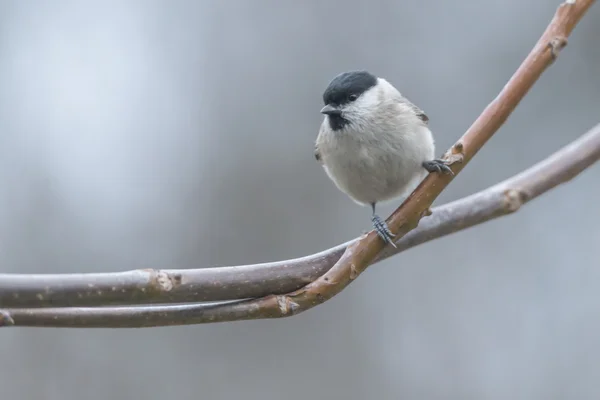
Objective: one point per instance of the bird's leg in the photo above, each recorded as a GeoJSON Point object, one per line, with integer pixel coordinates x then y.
{"type": "Point", "coordinates": [437, 165]}
{"type": "Point", "coordinates": [381, 228]}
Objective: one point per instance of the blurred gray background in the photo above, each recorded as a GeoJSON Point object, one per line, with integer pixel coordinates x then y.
{"type": "Point", "coordinates": [179, 134]}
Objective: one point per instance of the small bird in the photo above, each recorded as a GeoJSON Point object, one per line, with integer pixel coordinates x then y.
{"type": "Point", "coordinates": [374, 144]}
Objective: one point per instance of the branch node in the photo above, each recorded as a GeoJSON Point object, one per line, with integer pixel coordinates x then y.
{"type": "Point", "coordinates": [458, 148]}
{"type": "Point", "coordinates": [513, 199]}
{"type": "Point", "coordinates": [426, 212]}
{"type": "Point", "coordinates": [353, 272]}
{"type": "Point", "coordinates": [286, 305]}
{"type": "Point", "coordinates": [455, 154]}
{"type": "Point", "coordinates": [6, 319]}
{"type": "Point", "coordinates": [557, 44]}
{"type": "Point", "coordinates": [163, 281]}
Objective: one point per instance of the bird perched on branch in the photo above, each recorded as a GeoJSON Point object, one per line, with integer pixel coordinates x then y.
{"type": "Point", "coordinates": [374, 144]}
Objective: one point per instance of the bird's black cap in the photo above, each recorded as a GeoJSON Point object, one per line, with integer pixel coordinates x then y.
{"type": "Point", "coordinates": [346, 84]}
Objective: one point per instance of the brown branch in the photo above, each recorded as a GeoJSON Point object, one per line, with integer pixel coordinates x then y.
{"type": "Point", "coordinates": [222, 283]}
{"type": "Point", "coordinates": [359, 255]}
{"type": "Point", "coordinates": [251, 281]}
{"type": "Point", "coordinates": [212, 284]}
{"type": "Point", "coordinates": [161, 285]}
{"type": "Point", "coordinates": [240, 282]}
{"type": "Point", "coordinates": [501, 199]}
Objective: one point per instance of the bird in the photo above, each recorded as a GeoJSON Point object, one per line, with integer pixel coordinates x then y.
{"type": "Point", "coordinates": [373, 143]}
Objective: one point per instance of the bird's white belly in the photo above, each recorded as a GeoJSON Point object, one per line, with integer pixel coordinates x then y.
{"type": "Point", "coordinates": [369, 176]}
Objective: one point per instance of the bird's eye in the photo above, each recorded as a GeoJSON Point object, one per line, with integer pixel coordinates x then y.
{"type": "Point", "coordinates": [352, 97]}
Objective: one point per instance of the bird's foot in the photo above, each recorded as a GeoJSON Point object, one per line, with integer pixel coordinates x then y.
{"type": "Point", "coordinates": [382, 230]}
{"type": "Point", "coordinates": [437, 165]}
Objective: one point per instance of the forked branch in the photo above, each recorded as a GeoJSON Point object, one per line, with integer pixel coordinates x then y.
{"type": "Point", "coordinates": [501, 199]}
{"type": "Point", "coordinates": [177, 286]}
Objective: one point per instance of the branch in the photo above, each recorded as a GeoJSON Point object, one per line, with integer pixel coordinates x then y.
{"type": "Point", "coordinates": [501, 199]}
{"type": "Point", "coordinates": [359, 255]}
{"type": "Point", "coordinates": [144, 285]}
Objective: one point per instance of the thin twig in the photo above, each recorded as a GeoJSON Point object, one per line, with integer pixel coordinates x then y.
{"type": "Point", "coordinates": [501, 199]}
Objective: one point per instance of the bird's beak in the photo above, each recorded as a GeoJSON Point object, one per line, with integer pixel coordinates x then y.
{"type": "Point", "coordinates": [331, 110]}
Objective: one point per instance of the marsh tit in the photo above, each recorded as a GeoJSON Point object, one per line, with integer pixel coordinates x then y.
{"type": "Point", "coordinates": [374, 144]}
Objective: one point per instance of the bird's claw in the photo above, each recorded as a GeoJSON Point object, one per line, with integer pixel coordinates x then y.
{"type": "Point", "coordinates": [437, 165]}
{"type": "Point", "coordinates": [382, 230]}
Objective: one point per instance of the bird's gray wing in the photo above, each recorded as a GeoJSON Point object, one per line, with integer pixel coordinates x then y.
{"type": "Point", "coordinates": [419, 113]}
{"type": "Point", "coordinates": [318, 154]}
